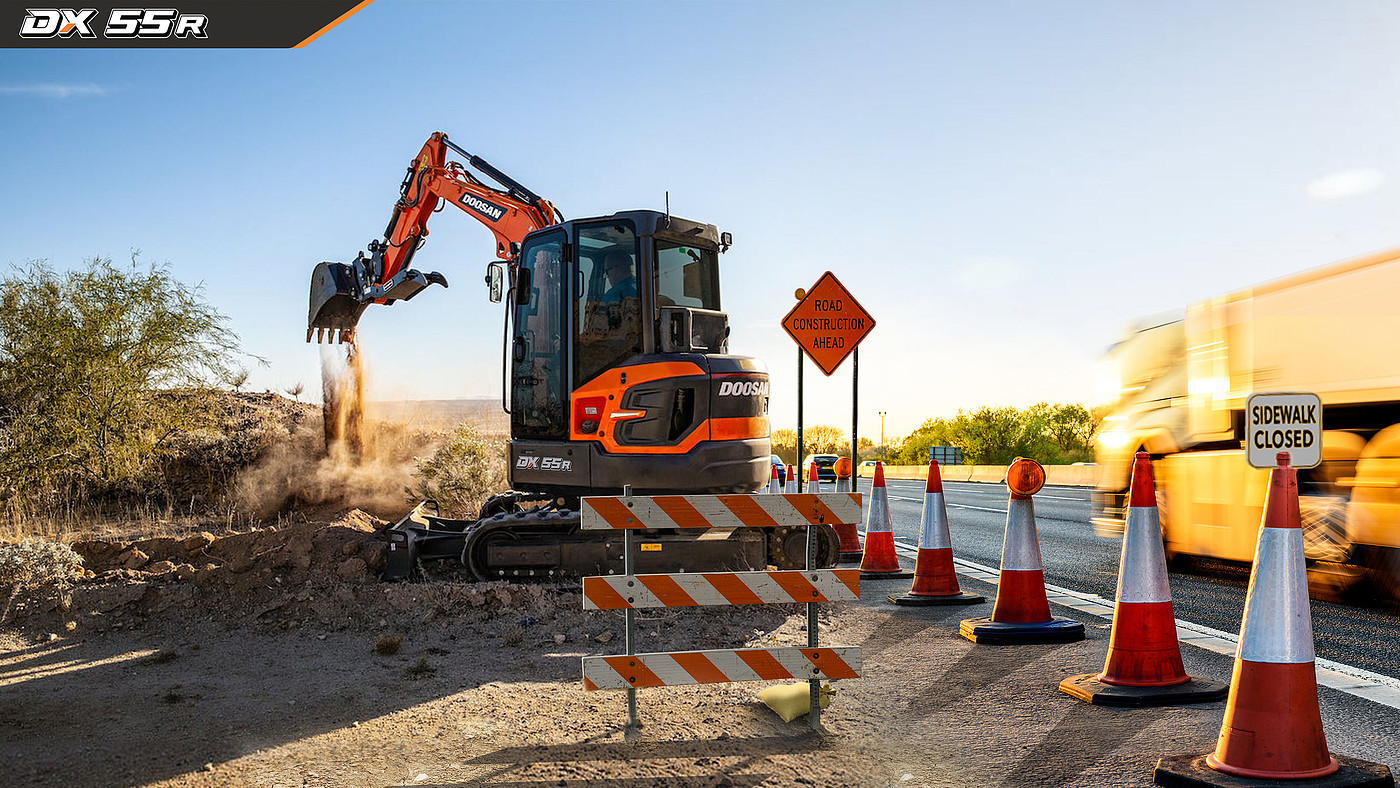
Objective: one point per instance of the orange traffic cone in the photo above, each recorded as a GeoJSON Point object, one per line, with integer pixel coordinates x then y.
{"type": "Point", "coordinates": [1022, 612]}
{"type": "Point", "coordinates": [1273, 726]}
{"type": "Point", "coordinates": [879, 560]}
{"type": "Point", "coordinates": [775, 485]}
{"type": "Point", "coordinates": [1144, 658]}
{"type": "Point", "coordinates": [935, 582]}
{"type": "Point", "coordinates": [846, 534]}
{"type": "Point", "coordinates": [791, 480]}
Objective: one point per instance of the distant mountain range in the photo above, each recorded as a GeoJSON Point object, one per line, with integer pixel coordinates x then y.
{"type": "Point", "coordinates": [485, 412]}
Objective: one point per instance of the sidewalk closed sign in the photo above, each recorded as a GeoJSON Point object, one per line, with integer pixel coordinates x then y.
{"type": "Point", "coordinates": [1283, 422]}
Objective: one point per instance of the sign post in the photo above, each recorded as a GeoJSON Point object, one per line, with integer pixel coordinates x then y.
{"type": "Point", "coordinates": [827, 324]}
{"type": "Point", "coordinates": [1283, 422]}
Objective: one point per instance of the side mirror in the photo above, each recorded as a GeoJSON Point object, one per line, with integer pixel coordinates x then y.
{"type": "Point", "coordinates": [495, 281]}
{"type": "Point", "coordinates": [522, 286]}
{"type": "Point", "coordinates": [725, 241]}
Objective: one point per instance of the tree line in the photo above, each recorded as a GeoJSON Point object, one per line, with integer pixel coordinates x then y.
{"type": "Point", "coordinates": [1054, 434]}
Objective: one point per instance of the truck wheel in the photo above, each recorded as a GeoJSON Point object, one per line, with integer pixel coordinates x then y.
{"type": "Point", "coordinates": [1324, 528]}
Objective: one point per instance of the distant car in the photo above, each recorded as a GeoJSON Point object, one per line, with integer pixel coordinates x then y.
{"type": "Point", "coordinates": [869, 464]}
{"type": "Point", "coordinates": [826, 467]}
{"type": "Point", "coordinates": [780, 468]}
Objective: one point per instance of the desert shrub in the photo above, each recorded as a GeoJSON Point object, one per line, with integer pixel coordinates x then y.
{"type": "Point", "coordinates": [461, 474]}
{"type": "Point", "coordinates": [100, 367]}
{"type": "Point", "coordinates": [35, 562]}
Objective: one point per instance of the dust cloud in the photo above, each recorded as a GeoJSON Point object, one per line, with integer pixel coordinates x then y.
{"type": "Point", "coordinates": [344, 461]}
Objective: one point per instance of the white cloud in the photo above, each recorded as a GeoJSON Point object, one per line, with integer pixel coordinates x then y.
{"type": "Point", "coordinates": [54, 90]}
{"type": "Point", "coordinates": [991, 274]}
{"type": "Point", "coordinates": [1346, 183]}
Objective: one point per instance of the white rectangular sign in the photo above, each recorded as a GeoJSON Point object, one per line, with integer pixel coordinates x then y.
{"type": "Point", "coordinates": [1283, 422]}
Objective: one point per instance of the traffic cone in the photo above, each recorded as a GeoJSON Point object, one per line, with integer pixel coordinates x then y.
{"type": "Point", "coordinates": [775, 485]}
{"type": "Point", "coordinates": [814, 481]}
{"type": "Point", "coordinates": [849, 539]}
{"type": "Point", "coordinates": [843, 475]}
{"type": "Point", "coordinates": [791, 481]}
{"type": "Point", "coordinates": [1144, 658]}
{"type": "Point", "coordinates": [935, 582]}
{"type": "Point", "coordinates": [879, 561]}
{"type": "Point", "coordinates": [1273, 727]}
{"type": "Point", "coordinates": [1022, 612]}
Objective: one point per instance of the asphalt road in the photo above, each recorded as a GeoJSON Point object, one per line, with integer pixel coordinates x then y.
{"type": "Point", "coordinates": [1205, 591]}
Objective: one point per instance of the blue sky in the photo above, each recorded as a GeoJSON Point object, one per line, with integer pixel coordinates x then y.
{"type": "Point", "coordinates": [1002, 185]}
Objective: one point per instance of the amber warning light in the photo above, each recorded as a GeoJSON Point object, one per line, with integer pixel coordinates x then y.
{"type": "Point", "coordinates": [1025, 477]}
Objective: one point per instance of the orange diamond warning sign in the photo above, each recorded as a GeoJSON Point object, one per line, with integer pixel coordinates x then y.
{"type": "Point", "coordinates": [828, 323]}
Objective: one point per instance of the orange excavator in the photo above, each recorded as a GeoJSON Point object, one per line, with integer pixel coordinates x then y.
{"type": "Point", "coordinates": [617, 373]}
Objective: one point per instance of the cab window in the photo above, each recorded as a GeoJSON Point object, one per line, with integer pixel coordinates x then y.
{"type": "Point", "coordinates": [686, 276]}
{"type": "Point", "coordinates": [607, 305]}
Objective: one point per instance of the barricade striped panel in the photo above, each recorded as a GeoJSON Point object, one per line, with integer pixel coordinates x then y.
{"type": "Point", "coordinates": [720, 511]}
{"type": "Point", "coordinates": [719, 666]}
{"type": "Point", "coordinates": [620, 592]}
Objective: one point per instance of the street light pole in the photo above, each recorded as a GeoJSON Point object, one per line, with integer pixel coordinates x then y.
{"type": "Point", "coordinates": [882, 428]}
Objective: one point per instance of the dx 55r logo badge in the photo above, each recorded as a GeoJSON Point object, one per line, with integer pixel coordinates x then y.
{"type": "Point", "coordinates": [120, 23]}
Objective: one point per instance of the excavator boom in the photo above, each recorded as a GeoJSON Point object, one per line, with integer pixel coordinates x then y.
{"type": "Point", "coordinates": [340, 292]}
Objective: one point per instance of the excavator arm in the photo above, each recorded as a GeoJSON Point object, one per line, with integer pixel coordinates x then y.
{"type": "Point", "coordinates": [340, 292]}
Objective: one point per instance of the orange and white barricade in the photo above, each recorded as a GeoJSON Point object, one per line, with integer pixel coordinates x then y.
{"type": "Point", "coordinates": [629, 591]}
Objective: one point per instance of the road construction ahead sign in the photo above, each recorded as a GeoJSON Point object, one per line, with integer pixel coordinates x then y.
{"type": "Point", "coordinates": [828, 323]}
{"type": "Point", "coordinates": [1283, 422]}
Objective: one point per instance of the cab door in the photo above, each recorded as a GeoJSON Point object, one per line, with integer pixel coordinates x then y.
{"type": "Point", "coordinates": [539, 395]}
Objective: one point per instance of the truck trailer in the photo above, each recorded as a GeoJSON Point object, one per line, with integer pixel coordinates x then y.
{"type": "Point", "coordinates": [1176, 386]}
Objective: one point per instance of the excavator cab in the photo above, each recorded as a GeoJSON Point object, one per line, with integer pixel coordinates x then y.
{"type": "Point", "coordinates": [619, 371]}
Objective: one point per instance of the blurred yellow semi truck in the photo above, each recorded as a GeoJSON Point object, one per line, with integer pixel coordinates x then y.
{"type": "Point", "coordinates": [1176, 388]}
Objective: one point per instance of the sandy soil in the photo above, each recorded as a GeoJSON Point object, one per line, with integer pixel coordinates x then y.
{"type": "Point", "coordinates": [276, 672]}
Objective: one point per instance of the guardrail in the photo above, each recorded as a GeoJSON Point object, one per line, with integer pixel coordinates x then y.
{"type": "Point", "coordinates": [1058, 475]}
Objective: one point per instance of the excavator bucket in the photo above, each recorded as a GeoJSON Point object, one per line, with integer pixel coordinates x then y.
{"type": "Point", "coordinates": [336, 303]}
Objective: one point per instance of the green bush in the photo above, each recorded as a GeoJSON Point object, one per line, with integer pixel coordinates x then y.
{"type": "Point", "coordinates": [100, 368]}
{"type": "Point", "coordinates": [461, 474]}
{"type": "Point", "coordinates": [35, 562]}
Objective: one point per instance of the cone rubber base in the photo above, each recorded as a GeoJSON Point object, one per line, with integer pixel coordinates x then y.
{"type": "Point", "coordinates": [851, 558]}
{"type": "Point", "coordinates": [909, 600]}
{"type": "Point", "coordinates": [899, 575]}
{"type": "Point", "coordinates": [1089, 689]}
{"type": "Point", "coordinates": [1191, 771]}
{"type": "Point", "coordinates": [1056, 630]}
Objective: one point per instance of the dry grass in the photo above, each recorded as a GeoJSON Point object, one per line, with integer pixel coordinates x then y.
{"type": "Point", "coordinates": [388, 644]}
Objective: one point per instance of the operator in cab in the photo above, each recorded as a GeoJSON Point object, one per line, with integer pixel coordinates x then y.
{"type": "Point", "coordinates": [622, 281]}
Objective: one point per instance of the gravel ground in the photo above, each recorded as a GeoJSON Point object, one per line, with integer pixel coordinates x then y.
{"type": "Point", "coordinates": [484, 689]}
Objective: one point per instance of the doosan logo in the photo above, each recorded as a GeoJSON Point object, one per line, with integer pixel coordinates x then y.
{"type": "Point", "coordinates": [743, 388]}
{"type": "Point", "coordinates": [121, 23]}
{"type": "Point", "coordinates": [491, 211]}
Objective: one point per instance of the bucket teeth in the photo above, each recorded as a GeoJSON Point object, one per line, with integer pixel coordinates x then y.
{"type": "Point", "coordinates": [309, 332]}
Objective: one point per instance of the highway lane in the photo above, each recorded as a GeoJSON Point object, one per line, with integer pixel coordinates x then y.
{"type": "Point", "coordinates": [1204, 591]}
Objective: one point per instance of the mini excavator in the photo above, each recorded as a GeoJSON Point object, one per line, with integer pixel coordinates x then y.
{"type": "Point", "coordinates": [617, 372]}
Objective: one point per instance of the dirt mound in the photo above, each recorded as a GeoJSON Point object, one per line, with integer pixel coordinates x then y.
{"type": "Point", "coordinates": [322, 576]}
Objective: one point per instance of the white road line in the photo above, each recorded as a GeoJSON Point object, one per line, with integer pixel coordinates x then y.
{"type": "Point", "coordinates": [978, 508]}
{"type": "Point", "coordinates": [1362, 683]}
